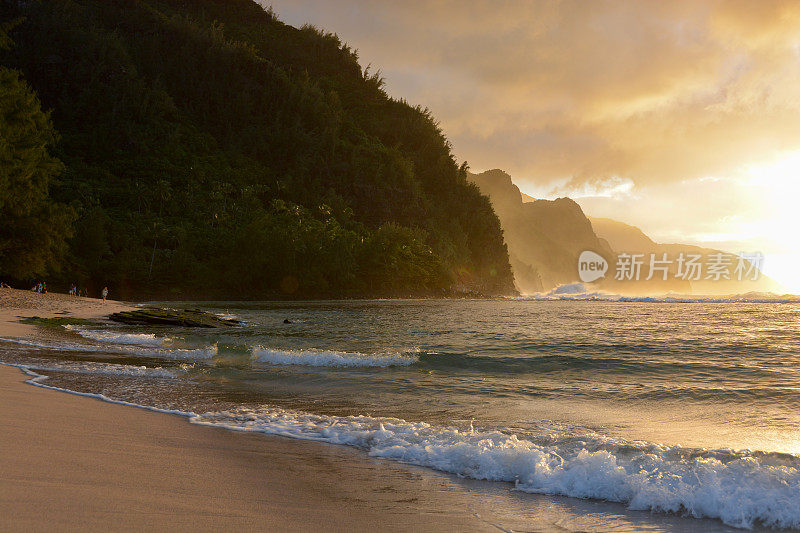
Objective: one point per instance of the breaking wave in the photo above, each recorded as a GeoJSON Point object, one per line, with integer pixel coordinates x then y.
{"type": "Point", "coordinates": [108, 369]}
{"type": "Point", "coordinates": [114, 337]}
{"type": "Point", "coordinates": [739, 488]}
{"type": "Point", "coordinates": [324, 358]}
{"type": "Point", "coordinates": [578, 291]}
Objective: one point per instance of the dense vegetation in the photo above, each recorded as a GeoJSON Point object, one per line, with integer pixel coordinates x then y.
{"type": "Point", "coordinates": [210, 150]}
{"type": "Point", "coordinates": [33, 229]}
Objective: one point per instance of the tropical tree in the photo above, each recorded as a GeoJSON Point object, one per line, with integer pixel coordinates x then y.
{"type": "Point", "coordinates": [33, 228]}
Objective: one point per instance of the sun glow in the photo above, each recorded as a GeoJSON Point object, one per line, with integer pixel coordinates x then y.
{"type": "Point", "coordinates": [779, 184]}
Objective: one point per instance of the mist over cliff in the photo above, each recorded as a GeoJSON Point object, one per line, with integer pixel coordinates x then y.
{"type": "Point", "coordinates": [546, 237]}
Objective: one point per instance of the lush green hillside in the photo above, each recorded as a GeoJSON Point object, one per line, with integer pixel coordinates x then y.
{"type": "Point", "coordinates": [211, 150]}
{"type": "Point", "coordinates": [33, 228]}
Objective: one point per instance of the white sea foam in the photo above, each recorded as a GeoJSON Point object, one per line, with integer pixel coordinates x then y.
{"type": "Point", "coordinates": [108, 369]}
{"type": "Point", "coordinates": [206, 352]}
{"type": "Point", "coordinates": [737, 488]}
{"type": "Point", "coordinates": [62, 347]}
{"type": "Point", "coordinates": [578, 291]}
{"type": "Point", "coordinates": [116, 337]}
{"type": "Point", "coordinates": [330, 358]}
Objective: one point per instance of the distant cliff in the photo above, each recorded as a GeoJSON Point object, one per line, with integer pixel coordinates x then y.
{"type": "Point", "coordinates": [626, 238]}
{"type": "Point", "coordinates": [623, 237]}
{"type": "Point", "coordinates": [544, 237]}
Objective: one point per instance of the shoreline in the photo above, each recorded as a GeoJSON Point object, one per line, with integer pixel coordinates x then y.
{"type": "Point", "coordinates": [16, 304]}
{"type": "Point", "coordinates": [81, 463]}
{"type": "Point", "coordinates": [78, 462]}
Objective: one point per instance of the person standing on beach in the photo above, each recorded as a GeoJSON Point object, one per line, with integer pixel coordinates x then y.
{"type": "Point", "coordinates": [105, 293]}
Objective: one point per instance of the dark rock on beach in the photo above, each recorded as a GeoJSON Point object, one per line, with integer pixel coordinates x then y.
{"type": "Point", "coordinates": [190, 318]}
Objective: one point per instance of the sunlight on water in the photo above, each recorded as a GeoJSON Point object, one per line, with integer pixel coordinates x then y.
{"type": "Point", "coordinates": [647, 404]}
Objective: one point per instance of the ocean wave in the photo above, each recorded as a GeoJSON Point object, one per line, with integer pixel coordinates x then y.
{"type": "Point", "coordinates": [59, 347]}
{"type": "Point", "coordinates": [325, 358]}
{"type": "Point", "coordinates": [578, 291]}
{"type": "Point", "coordinates": [108, 369]}
{"type": "Point", "coordinates": [115, 337]}
{"type": "Point", "coordinates": [739, 488]}
{"type": "Point", "coordinates": [206, 352]}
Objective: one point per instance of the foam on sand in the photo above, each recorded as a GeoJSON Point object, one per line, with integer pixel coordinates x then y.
{"type": "Point", "coordinates": [325, 358]}
{"type": "Point", "coordinates": [739, 488]}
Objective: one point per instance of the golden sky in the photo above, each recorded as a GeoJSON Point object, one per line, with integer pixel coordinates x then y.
{"type": "Point", "coordinates": [682, 118]}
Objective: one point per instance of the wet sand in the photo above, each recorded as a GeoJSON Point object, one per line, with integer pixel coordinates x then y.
{"type": "Point", "coordinates": [71, 462]}
{"type": "Point", "coordinates": [77, 463]}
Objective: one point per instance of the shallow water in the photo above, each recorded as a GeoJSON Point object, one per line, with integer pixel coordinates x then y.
{"type": "Point", "coordinates": [687, 408]}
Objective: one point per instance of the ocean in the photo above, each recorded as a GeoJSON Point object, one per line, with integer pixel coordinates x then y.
{"type": "Point", "coordinates": [604, 415]}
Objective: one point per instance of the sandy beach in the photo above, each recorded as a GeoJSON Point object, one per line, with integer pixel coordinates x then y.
{"type": "Point", "coordinates": [70, 462]}
{"type": "Point", "coordinates": [16, 304]}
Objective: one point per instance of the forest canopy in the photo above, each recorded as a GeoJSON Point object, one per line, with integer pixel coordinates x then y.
{"type": "Point", "coordinates": [207, 150]}
{"type": "Point", "coordinates": [33, 228]}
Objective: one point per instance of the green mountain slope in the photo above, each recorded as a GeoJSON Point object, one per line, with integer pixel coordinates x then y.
{"type": "Point", "coordinates": [212, 151]}
{"type": "Point", "coordinates": [33, 228]}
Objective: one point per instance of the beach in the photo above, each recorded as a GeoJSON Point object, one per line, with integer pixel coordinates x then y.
{"type": "Point", "coordinates": [399, 415]}
{"type": "Point", "coordinates": [70, 462]}
{"type": "Point", "coordinates": [16, 304]}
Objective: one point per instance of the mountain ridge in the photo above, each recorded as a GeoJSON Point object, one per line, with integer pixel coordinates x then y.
{"type": "Point", "coordinates": [628, 238]}
{"type": "Point", "coordinates": [546, 237]}
{"type": "Point", "coordinates": [210, 150]}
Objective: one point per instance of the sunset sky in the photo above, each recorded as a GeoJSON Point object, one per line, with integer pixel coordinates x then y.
{"type": "Point", "coordinates": [681, 118]}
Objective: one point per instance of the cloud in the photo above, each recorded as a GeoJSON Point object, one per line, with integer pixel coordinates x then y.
{"type": "Point", "coordinates": [648, 91]}
{"type": "Point", "coordinates": [646, 111]}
